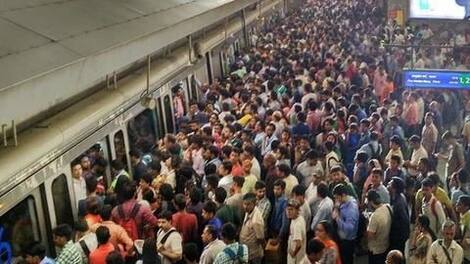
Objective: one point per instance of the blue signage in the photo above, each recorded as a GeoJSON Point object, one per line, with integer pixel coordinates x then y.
{"type": "Point", "coordinates": [5, 249]}
{"type": "Point", "coordinates": [436, 79]}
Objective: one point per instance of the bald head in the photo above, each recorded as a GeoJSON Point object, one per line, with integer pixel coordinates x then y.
{"type": "Point", "coordinates": [394, 257]}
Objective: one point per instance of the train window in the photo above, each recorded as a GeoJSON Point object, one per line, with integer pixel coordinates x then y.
{"type": "Point", "coordinates": [209, 68]}
{"type": "Point", "coordinates": [20, 227]}
{"type": "Point", "coordinates": [62, 205]}
{"type": "Point", "coordinates": [161, 122]}
{"type": "Point", "coordinates": [120, 148]}
{"type": "Point", "coordinates": [168, 113]}
{"type": "Point", "coordinates": [141, 131]}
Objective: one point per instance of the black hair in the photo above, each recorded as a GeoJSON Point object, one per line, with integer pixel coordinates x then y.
{"type": "Point", "coordinates": [102, 235]}
{"type": "Point", "coordinates": [322, 190]}
{"type": "Point", "coordinates": [63, 230]}
{"type": "Point", "coordinates": [167, 215]}
{"type": "Point", "coordinates": [190, 251]}
{"type": "Point", "coordinates": [220, 195]}
{"type": "Point", "coordinates": [36, 249]}
{"type": "Point", "coordinates": [210, 207]}
{"type": "Point", "coordinates": [250, 197]}
{"type": "Point", "coordinates": [229, 231]}
{"type": "Point", "coordinates": [180, 201]}
{"type": "Point", "coordinates": [260, 185]}
{"type": "Point", "coordinates": [239, 181]}
{"type": "Point", "coordinates": [106, 212]}
{"type": "Point", "coordinates": [284, 168]}
{"type": "Point", "coordinates": [373, 197]}
{"type": "Point", "coordinates": [91, 183]}
{"type": "Point", "coordinates": [340, 189]}
{"type": "Point", "coordinates": [299, 190]}
{"type": "Point", "coordinates": [315, 246]}
{"type": "Point", "coordinates": [115, 257]}
{"type": "Point", "coordinates": [280, 183]}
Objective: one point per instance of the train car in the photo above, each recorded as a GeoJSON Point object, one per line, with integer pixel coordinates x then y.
{"type": "Point", "coordinates": [36, 184]}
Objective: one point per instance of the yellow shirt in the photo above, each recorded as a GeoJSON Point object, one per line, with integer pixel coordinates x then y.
{"type": "Point", "coordinates": [440, 194]}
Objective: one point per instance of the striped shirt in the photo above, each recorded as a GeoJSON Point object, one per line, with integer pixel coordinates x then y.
{"type": "Point", "coordinates": [70, 254]}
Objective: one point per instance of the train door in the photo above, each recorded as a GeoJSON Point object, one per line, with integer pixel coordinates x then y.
{"type": "Point", "coordinates": [194, 84]}
{"type": "Point", "coordinates": [165, 109]}
{"type": "Point", "coordinates": [209, 71]}
{"type": "Point", "coordinates": [20, 225]}
{"type": "Point", "coordinates": [119, 148]}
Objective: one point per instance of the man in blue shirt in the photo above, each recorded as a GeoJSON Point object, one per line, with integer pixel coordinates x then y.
{"type": "Point", "coordinates": [36, 254]}
{"type": "Point", "coordinates": [278, 216]}
{"type": "Point", "coordinates": [208, 213]}
{"type": "Point", "coordinates": [346, 215]}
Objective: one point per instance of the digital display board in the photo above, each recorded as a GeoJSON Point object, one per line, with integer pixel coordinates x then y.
{"type": "Point", "coordinates": [440, 9]}
{"type": "Point", "coordinates": [436, 79]}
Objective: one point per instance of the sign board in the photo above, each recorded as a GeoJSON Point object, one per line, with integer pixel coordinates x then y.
{"type": "Point", "coordinates": [436, 79]}
{"type": "Point", "coordinates": [440, 9]}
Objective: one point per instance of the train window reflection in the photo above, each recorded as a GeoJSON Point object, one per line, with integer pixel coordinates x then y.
{"type": "Point", "coordinates": [20, 227]}
{"type": "Point", "coordinates": [120, 148]}
{"type": "Point", "coordinates": [141, 131]}
{"type": "Point", "coordinates": [168, 113]}
{"type": "Point", "coordinates": [61, 198]}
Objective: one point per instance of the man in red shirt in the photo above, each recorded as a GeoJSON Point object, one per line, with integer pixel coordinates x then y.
{"type": "Point", "coordinates": [98, 256]}
{"type": "Point", "coordinates": [184, 222]}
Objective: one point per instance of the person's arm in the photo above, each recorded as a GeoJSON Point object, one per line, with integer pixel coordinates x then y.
{"type": "Point", "coordinates": [372, 227]}
{"type": "Point", "coordinates": [175, 250]}
{"type": "Point", "coordinates": [148, 217]}
{"type": "Point", "coordinates": [349, 223]}
{"type": "Point", "coordinates": [295, 250]}
{"type": "Point", "coordinates": [123, 238]}
{"type": "Point", "coordinates": [431, 257]}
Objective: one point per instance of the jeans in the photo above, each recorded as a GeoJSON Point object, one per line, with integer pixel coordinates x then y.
{"type": "Point", "coordinates": [347, 251]}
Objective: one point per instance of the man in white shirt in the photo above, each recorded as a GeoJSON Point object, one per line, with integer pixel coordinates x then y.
{"type": "Point", "coordinates": [169, 241]}
{"type": "Point", "coordinates": [226, 179]}
{"type": "Point", "coordinates": [297, 234]}
{"type": "Point", "coordinates": [298, 193]}
{"type": "Point", "coordinates": [311, 166]}
{"type": "Point", "coordinates": [446, 250]}
{"type": "Point", "coordinates": [418, 152]}
{"type": "Point", "coordinates": [213, 245]}
{"type": "Point", "coordinates": [284, 173]}
{"type": "Point", "coordinates": [378, 229]}
{"type": "Point", "coordinates": [79, 185]}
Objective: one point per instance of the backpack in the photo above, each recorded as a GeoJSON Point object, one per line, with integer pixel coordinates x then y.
{"type": "Point", "coordinates": [159, 259]}
{"type": "Point", "coordinates": [375, 154]}
{"type": "Point", "coordinates": [128, 223]}
{"type": "Point", "coordinates": [238, 258]}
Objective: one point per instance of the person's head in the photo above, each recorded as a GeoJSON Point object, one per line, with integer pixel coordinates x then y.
{"type": "Point", "coordinates": [85, 162]}
{"type": "Point", "coordinates": [283, 170]}
{"type": "Point", "coordinates": [237, 184]}
{"type": "Point", "coordinates": [135, 155]}
{"type": "Point", "coordinates": [298, 193]}
{"type": "Point", "coordinates": [463, 204]}
{"type": "Point", "coordinates": [164, 220]}
{"type": "Point", "coordinates": [279, 188]}
{"type": "Point", "coordinates": [292, 209]}
{"type": "Point", "coordinates": [415, 142]}
{"type": "Point", "coordinates": [340, 193]}
{"type": "Point", "coordinates": [229, 233]}
{"type": "Point", "coordinates": [324, 230]}
{"type": "Point", "coordinates": [77, 170]}
{"type": "Point", "coordinates": [336, 174]}
{"type": "Point", "coordinates": [91, 184]}
{"type": "Point", "coordinates": [270, 128]}
{"type": "Point", "coordinates": [146, 181]}
{"type": "Point", "coordinates": [209, 234]}
{"type": "Point", "coordinates": [116, 166]}
{"type": "Point", "coordinates": [249, 202]}
{"type": "Point", "coordinates": [92, 205]}
{"type": "Point", "coordinates": [102, 235]}
{"type": "Point", "coordinates": [312, 157]}
{"type": "Point", "coordinates": [376, 177]}
{"type": "Point", "coordinates": [429, 118]}
{"type": "Point", "coordinates": [395, 142]}
{"type": "Point", "coordinates": [423, 223]}
{"type": "Point", "coordinates": [448, 230]}
{"type": "Point", "coordinates": [315, 250]}
{"type": "Point", "coordinates": [190, 252]}
{"type": "Point", "coordinates": [225, 168]}
{"type": "Point", "coordinates": [220, 195]}
{"type": "Point", "coordinates": [105, 212]}
{"type": "Point", "coordinates": [396, 186]}
{"type": "Point", "coordinates": [34, 253]}
{"type": "Point", "coordinates": [247, 164]}
{"type": "Point", "coordinates": [149, 251]}
{"type": "Point", "coordinates": [395, 161]}
{"type": "Point", "coordinates": [394, 257]}
{"type": "Point", "coordinates": [128, 191]}
{"type": "Point", "coordinates": [210, 152]}
{"type": "Point", "coordinates": [61, 235]}
{"type": "Point", "coordinates": [424, 166]}
{"type": "Point", "coordinates": [322, 190]}
{"type": "Point", "coordinates": [260, 190]}
{"type": "Point", "coordinates": [208, 210]}
{"type": "Point", "coordinates": [115, 257]}
{"type": "Point", "coordinates": [448, 138]}
{"type": "Point", "coordinates": [373, 198]}
{"type": "Point", "coordinates": [180, 202]}
{"type": "Point", "coordinates": [427, 187]}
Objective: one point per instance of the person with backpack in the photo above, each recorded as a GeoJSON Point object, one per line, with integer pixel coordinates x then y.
{"type": "Point", "coordinates": [373, 148]}
{"type": "Point", "coordinates": [98, 256]}
{"type": "Point", "coordinates": [431, 207]}
{"type": "Point", "coordinates": [133, 217]}
{"type": "Point", "coordinates": [378, 229]}
{"type": "Point", "coordinates": [400, 216]}
{"type": "Point", "coordinates": [85, 239]}
{"type": "Point", "coordinates": [169, 241]}
{"type": "Point", "coordinates": [445, 250]}
{"type": "Point", "coordinates": [234, 252]}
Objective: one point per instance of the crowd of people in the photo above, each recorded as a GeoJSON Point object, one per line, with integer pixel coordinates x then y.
{"type": "Point", "coordinates": [309, 151]}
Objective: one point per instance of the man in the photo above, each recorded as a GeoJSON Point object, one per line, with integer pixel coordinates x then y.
{"type": "Point", "coordinates": [297, 234]}
{"type": "Point", "coordinates": [91, 187]}
{"type": "Point", "coordinates": [445, 250]}
{"type": "Point", "coordinates": [311, 166]}
{"type": "Point", "coordinates": [233, 250]}
{"type": "Point", "coordinates": [184, 222]}
{"type": "Point", "coordinates": [284, 172]}
{"type": "Point", "coordinates": [418, 153]}
{"type": "Point", "coordinates": [394, 257]}
{"type": "Point", "coordinates": [278, 217]}
{"type": "Point", "coordinates": [337, 177]}
{"type": "Point", "coordinates": [131, 215]}
{"type": "Point", "coordinates": [169, 241]}
{"type": "Point", "coordinates": [377, 185]}
{"type": "Point", "coordinates": [325, 206]}
{"type": "Point", "coordinates": [249, 154]}
{"type": "Point", "coordinates": [225, 212]}
{"type": "Point", "coordinates": [36, 254]}
{"type": "Point", "coordinates": [268, 139]}
{"type": "Point", "coordinates": [98, 256]}
{"type": "Point", "coordinates": [69, 252]}
{"type": "Point", "coordinates": [456, 157]}
{"type": "Point", "coordinates": [394, 169]}
{"type": "Point", "coordinates": [236, 197]}
{"type": "Point", "coordinates": [346, 216]}
{"type": "Point", "coordinates": [252, 231]}
{"type": "Point", "coordinates": [85, 239]}
{"type": "Point", "coordinates": [212, 245]}
{"type": "Point", "coordinates": [378, 229]}
{"type": "Point", "coordinates": [463, 208]}
{"type": "Point", "coordinates": [79, 184]}
{"type": "Point", "coordinates": [262, 202]}
{"type": "Point", "coordinates": [118, 235]}
{"type": "Point", "coordinates": [431, 207]}
{"type": "Point", "coordinates": [401, 215]}
{"type": "Point", "coordinates": [298, 193]}
{"type": "Point", "coordinates": [119, 174]}
{"type": "Point", "coordinates": [194, 154]}
{"type": "Point", "coordinates": [373, 147]}
{"type": "Point", "coordinates": [211, 156]}
{"type": "Point", "coordinates": [139, 168]}
{"type": "Point", "coordinates": [250, 179]}
{"type": "Point", "coordinates": [429, 134]}
{"type": "Point", "coordinates": [315, 250]}
{"type": "Point", "coordinates": [226, 179]}
{"type": "Point", "coordinates": [395, 149]}
{"type": "Point", "coordinates": [208, 213]}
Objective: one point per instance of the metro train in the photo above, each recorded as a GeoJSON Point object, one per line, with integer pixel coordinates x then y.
{"type": "Point", "coordinates": [36, 185]}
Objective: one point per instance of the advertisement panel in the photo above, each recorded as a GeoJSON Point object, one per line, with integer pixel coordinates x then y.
{"type": "Point", "coordinates": [440, 9]}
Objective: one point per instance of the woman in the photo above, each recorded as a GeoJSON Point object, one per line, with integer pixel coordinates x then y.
{"type": "Point", "coordinates": [324, 232]}
{"type": "Point", "coordinates": [420, 241]}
